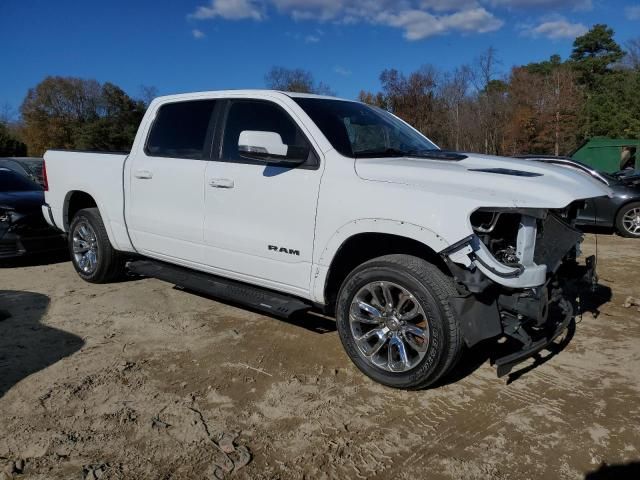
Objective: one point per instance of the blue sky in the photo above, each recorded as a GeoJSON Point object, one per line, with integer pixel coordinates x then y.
{"type": "Point", "coordinates": [189, 45]}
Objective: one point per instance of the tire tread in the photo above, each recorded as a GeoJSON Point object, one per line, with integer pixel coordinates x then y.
{"type": "Point", "coordinates": [619, 227]}
{"type": "Point", "coordinates": [111, 267]}
{"type": "Point", "coordinates": [442, 287]}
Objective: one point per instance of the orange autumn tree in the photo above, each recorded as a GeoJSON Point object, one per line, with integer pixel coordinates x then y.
{"type": "Point", "coordinates": [545, 101]}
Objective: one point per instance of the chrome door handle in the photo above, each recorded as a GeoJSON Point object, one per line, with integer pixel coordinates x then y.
{"type": "Point", "coordinates": [221, 183]}
{"type": "Point", "coordinates": [143, 174]}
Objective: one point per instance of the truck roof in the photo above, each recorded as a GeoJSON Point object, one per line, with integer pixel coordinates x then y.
{"type": "Point", "coordinates": [249, 92]}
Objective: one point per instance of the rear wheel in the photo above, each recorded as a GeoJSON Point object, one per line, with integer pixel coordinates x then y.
{"type": "Point", "coordinates": [395, 321]}
{"type": "Point", "coordinates": [628, 220]}
{"type": "Point", "coordinates": [92, 255]}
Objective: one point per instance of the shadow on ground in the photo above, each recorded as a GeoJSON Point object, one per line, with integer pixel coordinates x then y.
{"type": "Point", "coordinates": [309, 320]}
{"type": "Point", "coordinates": [472, 359]}
{"type": "Point", "coordinates": [626, 471]}
{"type": "Point", "coordinates": [591, 301]}
{"type": "Point", "coordinates": [597, 230]}
{"type": "Point", "coordinates": [48, 258]}
{"type": "Point", "coordinates": [26, 345]}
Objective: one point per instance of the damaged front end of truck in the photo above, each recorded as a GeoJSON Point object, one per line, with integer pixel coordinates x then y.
{"type": "Point", "coordinates": [518, 277]}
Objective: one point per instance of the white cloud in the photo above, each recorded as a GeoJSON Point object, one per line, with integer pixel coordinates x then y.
{"type": "Point", "coordinates": [418, 24]}
{"type": "Point", "coordinates": [556, 4]}
{"type": "Point", "coordinates": [345, 72]}
{"type": "Point", "coordinates": [632, 12]}
{"type": "Point", "coordinates": [230, 10]}
{"type": "Point", "coordinates": [474, 20]}
{"type": "Point", "coordinates": [555, 29]}
{"type": "Point", "coordinates": [448, 5]}
{"type": "Point", "coordinates": [197, 34]}
{"type": "Point", "coordinates": [313, 37]}
{"type": "Point", "coordinates": [311, 9]}
{"type": "Point", "coordinates": [417, 18]}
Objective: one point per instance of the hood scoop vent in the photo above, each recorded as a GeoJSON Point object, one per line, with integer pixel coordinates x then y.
{"type": "Point", "coordinates": [506, 171]}
{"type": "Point", "coordinates": [443, 155]}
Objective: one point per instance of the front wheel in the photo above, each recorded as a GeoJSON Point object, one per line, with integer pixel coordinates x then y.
{"type": "Point", "coordinates": [628, 220]}
{"type": "Point", "coordinates": [92, 255]}
{"type": "Point", "coordinates": [395, 322]}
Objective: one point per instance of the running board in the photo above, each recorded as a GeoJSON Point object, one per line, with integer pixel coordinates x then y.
{"type": "Point", "coordinates": [255, 297]}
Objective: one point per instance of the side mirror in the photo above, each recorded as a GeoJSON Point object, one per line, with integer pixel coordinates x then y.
{"type": "Point", "coordinates": [268, 147]}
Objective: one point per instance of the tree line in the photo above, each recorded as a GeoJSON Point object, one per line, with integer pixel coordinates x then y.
{"type": "Point", "coordinates": [547, 107]}
{"type": "Point", "coordinates": [74, 113]}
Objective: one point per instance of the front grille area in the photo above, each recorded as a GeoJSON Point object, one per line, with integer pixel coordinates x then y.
{"type": "Point", "coordinates": [9, 249]}
{"type": "Point", "coordinates": [555, 240]}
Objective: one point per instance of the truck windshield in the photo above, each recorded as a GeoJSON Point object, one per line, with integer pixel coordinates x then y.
{"type": "Point", "coordinates": [357, 130]}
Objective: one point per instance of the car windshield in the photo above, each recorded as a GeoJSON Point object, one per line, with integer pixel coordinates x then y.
{"type": "Point", "coordinates": [359, 131]}
{"type": "Point", "coordinates": [10, 181]}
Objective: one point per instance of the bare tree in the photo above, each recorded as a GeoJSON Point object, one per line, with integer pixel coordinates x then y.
{"type": "Point", "coordinates": [453, 91]}
{"type": "Point", "coordinates": [295, 80]}
{"type": "Point", "coordinates": [491, 105]}
{"type": "Point", "coordinates": [632, 58]}
{"type": "Point", "coordinates": [8, 114]}
{"type": "Point", "coordinates": [486, 68]}
{"type": "Point", "coordinates": [147, 94]}
{"type": "Point", "coordinates": [414, 97]}
{"type": "Point", "coordinates": [375, 99]}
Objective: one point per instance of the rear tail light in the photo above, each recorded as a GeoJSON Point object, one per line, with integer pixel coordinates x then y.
{"type": "Point", "coordinates": [45, 182]}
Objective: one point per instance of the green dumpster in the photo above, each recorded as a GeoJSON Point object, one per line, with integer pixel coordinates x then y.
{"type": "Point", "coordinates": [607, 154]}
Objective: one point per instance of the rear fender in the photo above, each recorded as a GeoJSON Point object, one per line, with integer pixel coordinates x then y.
{"type": "Point", "coordinates": [65, 221]}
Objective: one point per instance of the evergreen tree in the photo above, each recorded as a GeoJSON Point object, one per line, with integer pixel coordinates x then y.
{"type": "Point", "coordinates": [595, 52]}
{"type": "Point", "coordinates": [10, 146]}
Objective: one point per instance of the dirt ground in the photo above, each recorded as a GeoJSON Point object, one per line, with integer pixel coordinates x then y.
{"type": "Point", "coordinates": [142, 380]}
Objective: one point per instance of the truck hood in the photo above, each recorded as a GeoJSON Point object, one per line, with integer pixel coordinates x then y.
{"type": "Point", "coordinates": [491, 181]}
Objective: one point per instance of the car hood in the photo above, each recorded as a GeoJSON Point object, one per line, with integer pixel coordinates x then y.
{"type": "Point", "coordinates": [491, 181]}
{"type": "Point", "coordinates": [25, 202]}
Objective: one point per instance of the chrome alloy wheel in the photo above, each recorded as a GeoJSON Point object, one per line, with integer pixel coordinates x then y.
{"type": "Point", "coordinates": [389, 326]}
{"type": "Point", "coordinates": [631, 221]}
{"type": "Point", "coordinates": [85, 247]}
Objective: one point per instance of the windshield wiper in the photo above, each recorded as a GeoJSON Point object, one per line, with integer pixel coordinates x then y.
{"type": "Point", "coordinates": [387, 152]}
{"type": "Point", "coordinates": [433, 154]}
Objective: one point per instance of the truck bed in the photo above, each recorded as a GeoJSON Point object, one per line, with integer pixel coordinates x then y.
{"type": "Point", "coordinates": [99, 174]}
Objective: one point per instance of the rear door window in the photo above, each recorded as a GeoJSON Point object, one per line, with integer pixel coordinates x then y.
{"type": "Point", "coordinates": [182, 130]}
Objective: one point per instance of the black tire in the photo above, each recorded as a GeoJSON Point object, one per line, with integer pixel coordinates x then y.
{"type": "Point", "coordinates": [620, 226]}
{"type": "Point", "coordinates": [431, 288]}
{"type": "Point", "coordinates": [109, 262]}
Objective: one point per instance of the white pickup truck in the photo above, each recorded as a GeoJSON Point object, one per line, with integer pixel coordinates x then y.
{"type": "Point", "coordinates": [286, 202]}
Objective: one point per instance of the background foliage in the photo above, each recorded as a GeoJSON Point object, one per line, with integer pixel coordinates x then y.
{"type": "Point", "coordinates": [549, 107]}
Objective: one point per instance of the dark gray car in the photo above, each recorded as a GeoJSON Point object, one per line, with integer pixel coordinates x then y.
{"type": "Point", "coordinates": [622, 212]}
{"type": "Point", "coordinates": [23, 229]}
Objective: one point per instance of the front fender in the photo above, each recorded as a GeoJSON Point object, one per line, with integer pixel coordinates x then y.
{"type": "Point", "coordinates": [367, 225]}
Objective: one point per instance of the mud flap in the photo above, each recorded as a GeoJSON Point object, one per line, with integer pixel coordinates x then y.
{"type": "Point", "coordinates": [478, 320]}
